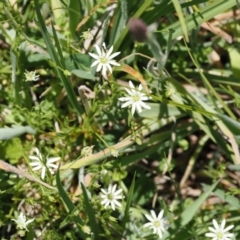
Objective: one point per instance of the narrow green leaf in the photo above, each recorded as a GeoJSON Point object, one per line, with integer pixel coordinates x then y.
{"type": "Point", "coordinates": [120, 20]}
{"type": "Point", "coordinates": [105, 28]}
{"type": "Point", "coordinates": [124, 13]}
{"type": "Point", "coordinates": [90, 213]}
{"type": "Point", "coordinates": [70, 206]}
{"type": "Point", "coordinates": [178, 9]}
{"type": "Point", "coordinates": [129, 200]}
{"type": "Point", "coordinates": [30, 233]}
{"type": "Point", "coordinates": [188, 214]}
{"type": "Point", "coordinates": [58, 55]}
{"type": "Point", "coordinates": [74, 16]}
{"type": "Point", "coordinates": [8, 133]}
{"type": "Point", "coordinates": [196, 19]}
{"type": "Point", "coordinates": [231, 124]}
{"type": "Point", "coordinates": [235, 59]}
{"type": "Point", "coordinates": [55, 58]}
{"type": "Point", "coordinates": [57, 6]}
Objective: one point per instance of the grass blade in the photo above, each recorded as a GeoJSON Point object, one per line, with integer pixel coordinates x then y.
{"type": "Point", "coordinates": [196, 19]}
{"type": "Point", "coordinates": [188, 214]}
{"type": "Point", "coordinates": [129, 200]}
{"type": "Point", "coordinates": [59, 62]}
{"type": "Point", "coordinates": [90, 213]}
{"type": "Point", "coordinates": [68, 203]}
{"type": "Point", "coordinates": [178, 9]}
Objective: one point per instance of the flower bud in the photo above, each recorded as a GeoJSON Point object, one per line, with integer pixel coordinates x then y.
{"type": "Point", "coordinates": [138, 28]}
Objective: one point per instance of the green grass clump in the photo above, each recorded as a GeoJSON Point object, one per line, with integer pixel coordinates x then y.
{"type": "Point", "coordinates": [119, 119]}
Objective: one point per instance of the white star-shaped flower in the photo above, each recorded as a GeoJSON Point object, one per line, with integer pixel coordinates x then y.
{"type": "Point", "coordinates": [218, 232]}
{"type": "Point", "coordinates": [157, 223]}
{"type": "Point", "coordinates": [135, 98]}
{"type": "Point", "coordinates": [31, 76]}
{"type": "Point", "coordinates": [111, 196]}
{"type": "Point", "coordinates": [38, 163]}
{"type": "Point", "coordinates": [21, 221]}
{"type": "Point", "coordinates": [104, 60]}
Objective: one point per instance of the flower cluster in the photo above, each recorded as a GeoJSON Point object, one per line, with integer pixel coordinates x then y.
{"type": "Point", "coordinates": [135, 97]}
{"type": "Point", "coordinates": [157, 223]}
{"type": "Point", "coordinates": [110, 197]}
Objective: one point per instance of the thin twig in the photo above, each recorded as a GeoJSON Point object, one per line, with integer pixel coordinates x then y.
{"type": "Point", "coordinates": [9, 168]}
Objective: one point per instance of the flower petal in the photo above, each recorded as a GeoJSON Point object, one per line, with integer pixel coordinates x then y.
{"type": "Point", "coordinates": [160, 215]}
{"type": "Point", "coordinates": [131, 85]}
{"type": "Point", "coordinates": [43, 172]}
{"type": "Point", "coordinates": [126, 104]}
{"type": "Point", "coordinates": [104, 70]}
{"type": "Point", "coordinates": [95, 63]}
{"type": "Point", "coordinates": [33, 164]}
{"type": "Point", "coordinates": [113, 55]}
{"type": "Point", "coordinates": [98, 50]}
{"type": "Point", "coordinates": [149, 217]}
{"type": "Point", "coordinates": [223, 224]}
{"type": "Point", "coordinates": [36, 168]}
{"type": "Point", "coordinates": [93, 55]}
{"type": "Point", "coordinates": [99, 67]}
{"type": "Point", "coordinates": [114, 63]}
{"type": "Point", "coordinates": [53, 159]}
{"type": "Point", "coordinates": [140, 87]}
{"type": "Point", "coordinates": [109, 52]}
{"type": "Point", "coordinates": [35, 158]}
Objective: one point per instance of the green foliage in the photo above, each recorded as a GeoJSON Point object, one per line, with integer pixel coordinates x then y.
{"type": "Point", "coordinates": [181, 155]}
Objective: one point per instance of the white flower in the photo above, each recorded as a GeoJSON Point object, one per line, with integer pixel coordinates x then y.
{"type": "Point", "coordinates": [157, 223]}
{"type": "Point", "coordinates": [135, 98]}
{"type": "Point", "coordinates": [40, 164]}
{"type": "Point", "coordinates": [31, 76]}
{"type": "Point", "coordinates": [104, 60]}
{"type": "Point", "coordinates": [21, 221]}
{"type": "Point", "coordinates": [111, 196]}
{"type": "Point", "coordinates": [219, 233]}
